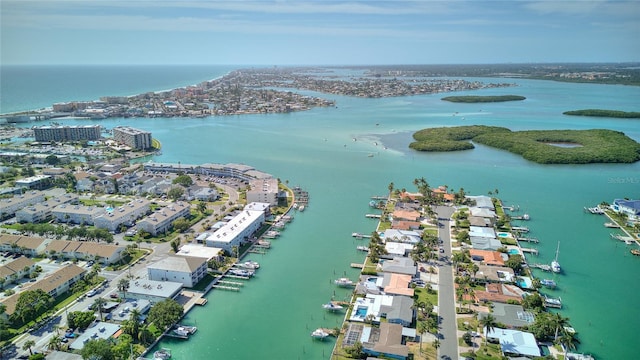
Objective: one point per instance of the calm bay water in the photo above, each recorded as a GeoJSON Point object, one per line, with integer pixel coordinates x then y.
{"type": "Point", "coordinates": [272, 316]}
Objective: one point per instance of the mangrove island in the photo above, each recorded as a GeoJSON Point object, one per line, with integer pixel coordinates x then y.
{"type": "Point", "coordinates": [541, 146]}
{"type": "Point", "coordinates": [604, 113]}
{"type": "Point", "coordinates": [483, 99]}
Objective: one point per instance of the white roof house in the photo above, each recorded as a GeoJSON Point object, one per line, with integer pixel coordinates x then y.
{"type": "Point", "coordinates": [514, 342]}
{"type": "Point", "coordinates": [405, 236]}
{"type": "Point", "coordinates": [238, 229]}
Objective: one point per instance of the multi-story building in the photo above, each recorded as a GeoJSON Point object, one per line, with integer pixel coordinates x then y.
{"type": "Point", "coordinates": [237, 230]}
{"type": "Point", "coordinates": [38, 182]}
{"type": "Point", "coordinates": [55, 284]}
{"type": "Point", "coordinates": [77, 214]}
{"type": "Point", "coordinates": [86, 250]}
{"type": "Point", "coordinates": [161, 220]}
{"type": "Point", "coordinates": [67, 133]}
{"type": "Point", "coordinates": [263, 191]}
{"type": "Point", "coordinates": [125, 214]}
{"type": "Point", "coordinates": [16, 269]}
{"type": "Point", "coordinates": [43, 211]}
{"type": "Point", "coordinates": [8, 207]}
{"type": "Point", "coordinates": [183, 269]}
{"type": "Point", "coordinates": [134, 138]}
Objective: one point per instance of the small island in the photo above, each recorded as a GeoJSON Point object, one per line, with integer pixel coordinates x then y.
{"type": "Point", "coordinates": [483, 99]}
{"type": "Point", "coordinates": [541, 146]}
{"type": "Point", "coordinates": [604, 113]}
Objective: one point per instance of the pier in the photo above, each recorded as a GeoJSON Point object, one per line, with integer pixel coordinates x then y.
{"type": "Point", "coordinates": [373, 216]}
{"type": "Point", "coordinates": [543, 267]}
{"type": "Point", "coordinates": [529, 250]}
{"type": "Point", "coordinates": [379, 197]}
{"type": "Point", "coordinates": [520, 229]}
{"type": "Point", "coordinates": [357, 266]}
{"type": "Point", "coordinates": [528, 239]}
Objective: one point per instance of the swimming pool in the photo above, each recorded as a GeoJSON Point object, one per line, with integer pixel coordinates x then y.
{"type": "Point", "coordinates": [361, 312]}
{"type": "Point", "coordinates": [109, 209]}
{"type": "Point", "coordinates": [513, 252]}
{"type": "Point", "coordinates": [503, 234]}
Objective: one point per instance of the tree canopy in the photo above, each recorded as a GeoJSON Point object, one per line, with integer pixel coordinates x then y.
{"type": "Point", "coordinates": [31, 304]}
{"type": "Point", "coordinates": [165, 313]}
{"type": "Point", "coordinates": [184, 180]}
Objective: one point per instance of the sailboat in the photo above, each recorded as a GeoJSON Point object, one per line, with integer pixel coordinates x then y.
{"type": "Point", "coordinates": [555, 265]}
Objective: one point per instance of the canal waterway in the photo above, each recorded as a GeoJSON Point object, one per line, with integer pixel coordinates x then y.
{"type": "Point", "coordinates": [274, 313]}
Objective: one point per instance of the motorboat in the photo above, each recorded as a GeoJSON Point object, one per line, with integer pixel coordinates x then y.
{"type": "Point", "coordinates": [343, 282]}
{"type": "Point", "coordinates": [252, 265]}
{"type": "Point", "coordinates": [162, 354]}
{"type": "Point", "coordinates": [332, 306]}
{"type": "Point", "coordinates": [635, 252]}
{"type": "Point", "coordinates": [319, 334]}
{"type": "Point", "coordinates": [548, 283]}
{"type": "Point", "coordinates": [242, 272]}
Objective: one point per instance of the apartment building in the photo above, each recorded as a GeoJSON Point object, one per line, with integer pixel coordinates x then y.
{"type": "Point", "coordinates": [132, 137]}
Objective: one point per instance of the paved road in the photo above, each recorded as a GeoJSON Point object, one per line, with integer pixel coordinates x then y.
{"type": "Point", "coordinates": [446, 294]}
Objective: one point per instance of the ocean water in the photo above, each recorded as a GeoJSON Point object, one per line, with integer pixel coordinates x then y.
{"type": "Point", "coordinates": [273, 315]}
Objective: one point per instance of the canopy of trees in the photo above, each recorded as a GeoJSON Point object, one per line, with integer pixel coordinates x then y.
{"type": "Point", "coordinates": [30, 305]}
{"type": "Point", "coordinates": [483, 99]}
{"type": "Point", "coordinates": [165, 313]}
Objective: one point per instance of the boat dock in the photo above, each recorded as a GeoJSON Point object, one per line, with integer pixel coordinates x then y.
{"type": "Point", "coordinates": [182, 331]}
{"type": "Point", "coordinates": [524, 217]}
{"type": "Point", "coordinates": [520, 229]}
{"type": "Point", "coordinates": [373, 216]}
{"type": "Point", "coordinates": [626, 239]}
{"type": "Point", "coordinates": [543, 267]}
{"type": "Point", "coordinates": [512, 208]}
{"type": "Point", "coordinates": [528, 239]}
{"type": "Point", "coordinates": [379, 197]}
{"type": "Point", "coordinates": [529, 250]}
{"type": "Point", "coordinates": [553, 303]}
{"type": "Point", "coordinates": [357, 266]}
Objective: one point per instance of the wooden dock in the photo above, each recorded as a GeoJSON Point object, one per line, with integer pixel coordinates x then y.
{"type": "Point", "coordinates": [373, 216]}
{"type": "Point", "coordinates": [224, 287]}
{"type": "Point", "coordinates": [357, 266]}
{"type": "Point", "coordinates": [528, 239]}
{"type": "Point", "coordinates": [530, 250]}
{"type": "Point", "coordinates": [379, 197]}
{"type": "Point", "coordinates": [360, 236]}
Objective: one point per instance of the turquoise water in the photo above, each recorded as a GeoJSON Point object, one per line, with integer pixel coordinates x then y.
{"type": "Point", "coordinates": [513, 252]}
{"type": "Point", "coordinates": [276, 311]}
{"type": "Point", "coordinates": [502, 234]}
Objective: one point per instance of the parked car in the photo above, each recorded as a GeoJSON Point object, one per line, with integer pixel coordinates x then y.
{"type": "Point", "coordinates": [91, 293]}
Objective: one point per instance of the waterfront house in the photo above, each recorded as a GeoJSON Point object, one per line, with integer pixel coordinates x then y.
{"type": "Point", "coordinates": [400, 265]}
{"type": "Point", "coordinates": [397, 248]}
{"type": "Point", "coordinates": [186, 270]}
{"type": "Point", "coordinates": [488, 257]}
{"type": "Point", "coordinates": [404, 236]}
{"type": "Point", "coordinates": [629, 207]}
{"type": "Point", "coordinates": [513, 316]}
{"type": "Point", "coordinates": [480, 231]}
{"type": "Point", "coordinates": [482, 212]}
{"type": "Point", "coordinates": [485, 243]}
{"type": "Point", "coordinates": [405, 225]}
{"type": "Point", "coordinates": [481, 221]}
{"type": "Point", "coordinates": [386, 341]}
{"type": "Point", "coordinates": [408, 215]}
{"type": "Point", "coordinates": [514, 342]}
{"type": "Point", "coordinates": [97, 330]}
{"type": "Point", "coordinates": [397, 284]}
{"type": "Point", "coordinates": [491, 273]}
{"type": "Point", "coordinates": [496, 292]}
{"type": "Point", "coordinates": [482, 201]}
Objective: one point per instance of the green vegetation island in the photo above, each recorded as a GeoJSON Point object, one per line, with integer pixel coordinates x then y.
{"type": "Point", "coordinates": [604, 113]}
{"type": "Point", "coordinates": [483, 99]}
{"type": "Point", "coordinates": [541, 146]}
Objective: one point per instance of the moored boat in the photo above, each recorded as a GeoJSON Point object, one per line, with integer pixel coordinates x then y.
{"type": "Point", "coordinates": [548, 283]}
{"type": "Point", "coordinates": [252, 265]}
{"type": "Point", "coordinates": [552, 302]}
{"type": "Point", "coordinates": [242, 272]}
{"type": "Point", "coordinates": [319, 334]}
{"type": "Point", "coordinates": [635, 252]}
{"type": "Point", "coordinates": [331, 306]}
{"type": "Point", "coordinates": [555, 265]}
{"type": "Point", "coordinates": [162, 354]}
{"type": "Point", "coordinates": [343, 282]}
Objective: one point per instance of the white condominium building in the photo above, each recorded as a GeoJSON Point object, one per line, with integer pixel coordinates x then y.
{"type": "Point", "coordinates": [161, 220]}
{"type": "Point", "coordinates": [125, 214]}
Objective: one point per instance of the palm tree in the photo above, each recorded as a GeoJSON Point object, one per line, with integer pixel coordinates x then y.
{"type": "Point", "coordinates": [488, 324]}
{"type": "Point", "coordinates": [123, 286]}
{"type": "Point", "coordinates": [99, 303]}
{"type": "Point", "coordinates": [421, 327]}
{"type": "Point", "coordinates": [568, 340]}
{"type": "Point", "coordinates": [55, 342]}
{"type": "Point", "coordinates": [560, 322]}
{"type": "Point", "coordinates": [390, 187]}
{"type": "Point", "coordinates": [436, 344]}
{"type": "Point", "coordinates": [27, 345]}
{"type": "Point", "coordinates": [134, 316]}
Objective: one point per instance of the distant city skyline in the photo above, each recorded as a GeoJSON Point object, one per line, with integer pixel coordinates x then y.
{"type": "Point", "coordinates": [317, 32]}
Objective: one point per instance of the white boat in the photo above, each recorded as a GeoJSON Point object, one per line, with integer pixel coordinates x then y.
{"type": "Point", "coordinates": [611, 225]}
{"type": "Point", "coordinates": [319, 334]}
{"type": "Point", "coordinates": [595, 210]}
{"type": "Point", "coordinates": [343, 282]}
{"type": "Point", "coordinates": [551, 302]}
{"type": "Point", "coordinates": [555, 265]}
{"type": "Point", "coordinates": [301, 208]}
{"type": "Point", "coordinates": [242, 272]}
{"type": "Point", "coordinates": [548, 283]}
{"type": "Point", "coordinates": [252, 265]}
{"type": "Point", "coordinates": [180, 331]}
{"type": "Point", "coordinates": [331, 306]}
{"type": "Point", "coordinates": [162, 354]}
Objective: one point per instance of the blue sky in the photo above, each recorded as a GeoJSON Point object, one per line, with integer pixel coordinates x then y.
{"type": "Point", "coordinates": [291, 32]}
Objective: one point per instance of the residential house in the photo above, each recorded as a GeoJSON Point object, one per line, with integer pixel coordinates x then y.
{"type": "Point", "coordinates": [488, 257]}
{"type": "Point", "coordinates": [386, 341]}
{"type": "Point", "coordinates": [629, 207]}
{"type": "Point", "coordinates": [397, 284]}
{"type": "Point", "coordinates": [408, 215]}
{"type": "Point", "coordinates": [514, 342]}
{"type": "Point", "coordinates": [482, 201]}
{"type": "Point", "coordinates": [162, 219]}
{"type": "Point", "coordinates": [405, 236]}
{"type": "Point", "coordinates": [496, 292]}
{"type": "Point", "coordinates": [513, 316]}
{"type": "Point", "coordinates": [400, 265]}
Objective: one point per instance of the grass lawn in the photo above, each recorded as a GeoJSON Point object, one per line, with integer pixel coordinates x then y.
{"type": "Point", "coordinates": [423, 295]}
